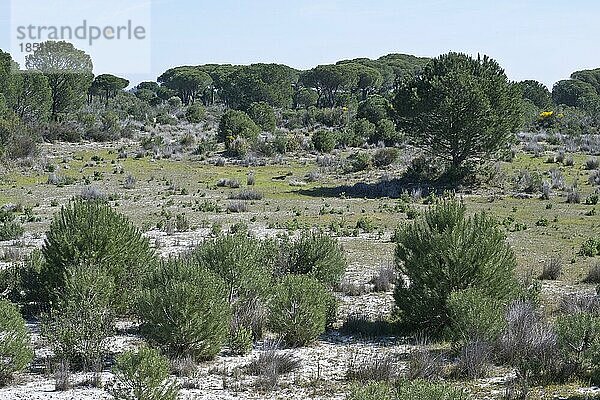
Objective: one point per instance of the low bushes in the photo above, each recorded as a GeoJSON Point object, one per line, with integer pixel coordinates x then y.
{"type": "Point", "coordinates": [237, 124]}
{"type": "Point", "coordinates": [299, 309]}
{"type": "Point", "coordinates": [83, 319]}
{"type": "Point", "coordinates": [195, 113]}
{"type": "Point", "coordinates": [318, 255]}
{"type": "Point", "coordinates": [445, 252]}
{"type": "Point", "coordinates": [15, 348]}
{"type": "Point", "coordinates": [10, 229]}
{"type": "Point", "coordinates": [578, 339]}
{"type": "Point", "coordinates": [271, 364]}
{"type": "Point", "coordinates": [384, 157]}
{"type": "Point", "coordinates": [372, 368]}
{"type": "Point", "coordinates": [242, 262]}
{"type": "Point", "coordinates": [475, 316]}
{"type": "Point", "coordinates": [528, 343]}
{"type": "Point", "coordinates": [91, 233]}
{"type": "Point", "coordinates": [247, 194]}
{"type": "Point", "coordinates": [263, 115]}
{"type": "Point", "coordinates": [324, 141]}
{"type": "Point", "coordinates": [142, 375]}
{"type": "Point", "coordinates": [184, 309]}
{"type": "Point", "coordinates": [407, 390]}
{"type": "Point", "coordinates": [590, 248]}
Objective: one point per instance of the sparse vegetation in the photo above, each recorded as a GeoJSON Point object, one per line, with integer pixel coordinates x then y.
{"type": "Point", "coordinates": [391, 228]}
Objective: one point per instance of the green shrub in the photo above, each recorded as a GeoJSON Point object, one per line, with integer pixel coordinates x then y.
{"type": "Point", "coordinates": [195, 113]}
{"type": "Point", "coordinates": [444, 252]}
{"type": "Point", "coordinates": [374, 109]}
{"type": "Point", "coordinates": [240, 340]}
{"type": "Point", "coordinates": [83, 319]}
{"type": "Point", "coordinates": [244, 263]}
{"type": "Point", "coordinates": [406, 390]}
{"type": "Point", "coordinates": [183, 309]}
{"type": "Point", "coordinates": [318, 255]}
{"type": "Point", "coordinates": [590, 248]}
{"type": "Point", "coordinates": [371, 391]}
{"type": "Point", "coordinates": [284, 143]}
{"type": "Point", "coordinates": [91, 233]}
{"type": "Point", "coordinates": [15, 347]}
{"type": "Point", "coordinates": [359, 162]}
{"type": "Point", "coordinates": [386, 156]}
{"type": "Point", "coordinates": [578, 338]}
{"type": "Point", "coordinates": [23, 282]}
{"type": "Point", "coordinates": [329, 116]}
{"type": "Point", "coordinates": [166, 119]}
{"type": "Point", "coordinates": [324, 141]}
{"type": "Point", "coordinates": [237, 124]}
{"type": "Point", "coordinates": [263, 115]}
{"type": "Point", "coordinates": [143, 375]}
{"type": "Point", "coordinates": [10, 229]}
{"type": "Point", "coordinates": [424, 390]}
{"type": "Point", "coordinates": [362, 130]}
{"type": "Point", "coordinates": [238, 147]}
{"type": "Point", "coordinates": [385, 132]}
{"type": "Point", "coordinates": [299, 309]}
{"type": "Point", "coordinates": [205, 147]}
{"type": "Point", "coordinates": [474, 316]}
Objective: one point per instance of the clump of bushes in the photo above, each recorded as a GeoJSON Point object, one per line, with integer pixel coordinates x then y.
{"type": "Point", "coordinates": [15, 347]}
{"type": "Point", "coordinates": [184, 310]}
{"type": "Point", "coordinates": [591, 247]}
{"type": "Point", "coordinates": [227, 182]}
{"type": "Point", "coordinates": [386, 156]}
{"type": "Point", "coordinates": [317, 255]}
{"type": "Point", "coordinates": [578, 341]}
{"type": "Point", "coordinates": [475, 316]}
{"type": "Point", "coordinates": [195, 113]}
{"type": "Point", "coordinates": [263, 115]}
{"type": "Point", "coordinates": [83, 318]}
{"type": "Point", "coordinates": [552, 269]}
{"type": "Point", "coordinates": [247, 194]}
{"type": "Point", "coordinates": [593, 275]}
{"type": "Point", "coordinates": [142, 375]}
{"type": "Point", "coordinates": [242, 262]}
{"type": "Point", "coordinates": [528, 343]}
{"type": "Point", "coordinates": [358, 162]}
{"type": "Point", "coordinates": [445, 252]}
{"type": "Point", "coordinates": [592, 163]}
{"type": "Point", "coordinates": [237, 207]}
{"type": "Point", "coordinates": [10, 229]}
{"type": "Point", "coordinates": [324, 141]}
{"type": "Point", "coordinates": [372, 368]}
{"type": "Point", "coordinates": [91, 233]}
{"type": "Point", "coordinates": [271, 364]}
{"type": "Point", "coordinates": [360, 132]}
{"type": "Point", "coordinates": [237, 124]}
{"type": "Point", "coordinates": [299, 309]}
{"type": "Point", "coordinates": [406, 390]}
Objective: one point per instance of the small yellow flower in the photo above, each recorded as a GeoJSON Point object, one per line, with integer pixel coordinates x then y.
{"type": "Point", "coordinates": [546, 114]}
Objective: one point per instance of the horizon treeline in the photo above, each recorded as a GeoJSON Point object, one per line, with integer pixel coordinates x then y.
{"type": "Point", "coordinates": [58, 87]}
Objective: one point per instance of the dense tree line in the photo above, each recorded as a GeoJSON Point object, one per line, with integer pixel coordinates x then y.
{"type": "Point", "coordinates": [280, 86]}
{"type": "Point", "coordinates": [458, 110]}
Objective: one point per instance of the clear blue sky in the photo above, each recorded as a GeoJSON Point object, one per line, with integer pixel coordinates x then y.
{"type": "Point", "coordinates": [543, 40]}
